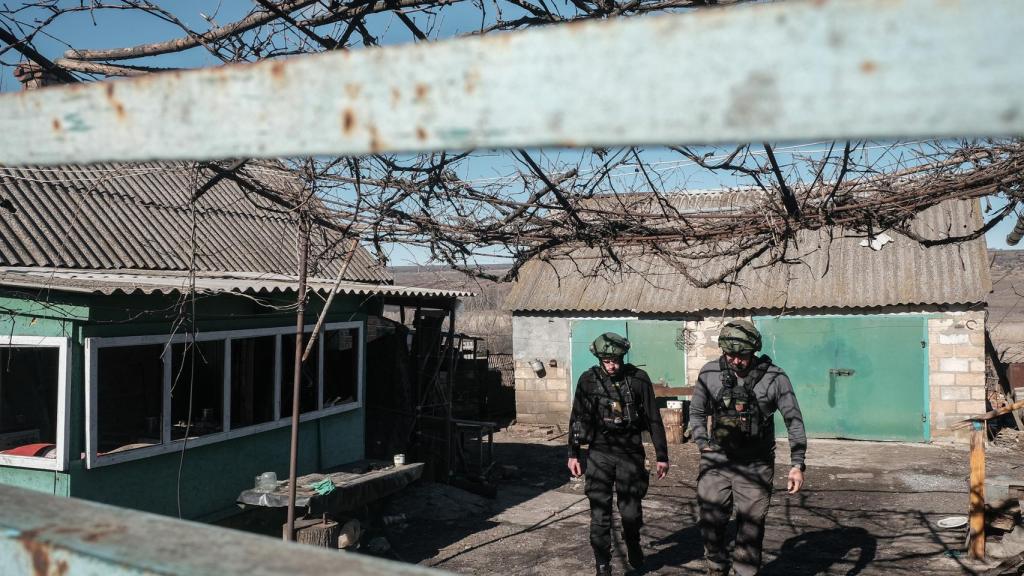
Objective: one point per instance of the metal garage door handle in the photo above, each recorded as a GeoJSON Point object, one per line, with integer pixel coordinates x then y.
{"type": "Point", "coordinates": [840, 372]}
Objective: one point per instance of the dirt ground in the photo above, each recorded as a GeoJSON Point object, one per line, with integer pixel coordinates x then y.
{"type": "Point", "coordinates": [867, 508]}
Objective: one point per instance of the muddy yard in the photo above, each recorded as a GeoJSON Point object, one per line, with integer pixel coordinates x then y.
{"type": "Point", "coordinates": [867, 508]}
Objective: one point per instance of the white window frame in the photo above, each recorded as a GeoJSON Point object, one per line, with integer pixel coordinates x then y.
{"type": "Point", "coordinates": [60, 463]}
{"type": "Point", "coordinates": [93, 345]}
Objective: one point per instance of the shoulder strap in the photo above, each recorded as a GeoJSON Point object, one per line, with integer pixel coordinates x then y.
{"type": "Point", "coordinates": [727, 376]}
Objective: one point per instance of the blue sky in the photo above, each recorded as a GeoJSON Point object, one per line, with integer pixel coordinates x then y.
{"type": "Point", "coordinates": [124, 28]}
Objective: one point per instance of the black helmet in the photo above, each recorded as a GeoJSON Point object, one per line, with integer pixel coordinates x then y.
{"type": "Point", "coordinates": [739, 336]}
{"type": "Point", "coordinates": [609, 345]}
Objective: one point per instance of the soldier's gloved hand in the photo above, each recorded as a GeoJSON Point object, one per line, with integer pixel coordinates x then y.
{"type": "Point", "coordinates": [662, 469]}
{"type": "Point", "coordinates": [574, 467]}
{"type": "Point", "coordinates": [796, 480]}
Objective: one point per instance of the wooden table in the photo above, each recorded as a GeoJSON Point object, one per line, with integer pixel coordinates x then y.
{"type": "Point", "coordinates": [355, 485]}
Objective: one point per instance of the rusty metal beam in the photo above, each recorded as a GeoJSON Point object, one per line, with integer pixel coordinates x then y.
{"type": "Point", "coordinates": [794, 70]}
{"type": "Point", "coordinates": [44, 534]}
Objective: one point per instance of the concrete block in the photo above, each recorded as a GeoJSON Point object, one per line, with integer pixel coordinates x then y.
{"type": "Point", "coordinates": [944, 421]}
{"type": "Point", "coordinates": [955, 393]}
{"type": "Point", "coordinates": [562, 396]}
{"type": "Point", "coordinates": [954, 365]}
{"type": "Point", "coordinates": [552, 396]}
{"type": "Point", "coordinates": [941, 407]}
{"type": "Point", "coordinates": [941, 379]}
{"type": "Point", "coordinates": [971, 379]}
{"type": "Point", "coordinates": [977, 393]}
{"type": "Point", "coordinates": [527, 418]}
{"type": "Point", "coordinates": [954, 338]}
{"type": "Point", "coordinates": [977, 366]}
{"type": "Point", "coordinates": [971, 407]}
{"type": "Point", "coordinates": [555, 384]}
{"type": "Point", "coordinates": [939, 323]}
{"type": "Point", "coordinates": [942, 350]}
{"type": "Point", "coordinates": [977, 338]}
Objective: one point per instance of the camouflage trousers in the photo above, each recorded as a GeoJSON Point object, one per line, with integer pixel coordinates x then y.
{"type": "Point", "coordinates": [724, 485]}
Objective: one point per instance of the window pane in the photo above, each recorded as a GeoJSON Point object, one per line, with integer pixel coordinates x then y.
{"type": "Point", "coordinates": [307, 385]}
{"type": "Point", "coordinates": [252, 381]}
{"type": "Point", "coordinates": [341, 367]}
{"type": "Point", "coordinates": [129, 397]}
{"type": "Point", "coordinates": [28, 401]}
{"type": "Point", "coordinates": [197, 389]}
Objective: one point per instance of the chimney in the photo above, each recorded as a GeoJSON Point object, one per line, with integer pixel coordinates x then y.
{"type": "Point", "coordinates": [32, 76]}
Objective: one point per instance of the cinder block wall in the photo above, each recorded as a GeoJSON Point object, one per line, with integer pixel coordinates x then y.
{"type": "Point", "coordinates": [542, 400]}
{"type": "Point", "coordinates": [956, 368]}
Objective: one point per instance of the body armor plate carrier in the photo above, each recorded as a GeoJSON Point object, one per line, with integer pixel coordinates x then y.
{"type": "Point", "coordinates": [738, 424]}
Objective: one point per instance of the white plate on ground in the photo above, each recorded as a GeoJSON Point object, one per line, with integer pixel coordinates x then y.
{"type": "Point", "coordinates": [952, 522]}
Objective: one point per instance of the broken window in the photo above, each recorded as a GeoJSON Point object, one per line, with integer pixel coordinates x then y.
{"type": "Point", "coordinates": [129, 394]}
{"type": "Point", "coordinates": [197, 389]}
{"type": "Point", "coordinates": [252, 380]}
{"type": "Point", "coordinates": [29, 392]}
{"type": "Point", "coordinates": [341, 366]}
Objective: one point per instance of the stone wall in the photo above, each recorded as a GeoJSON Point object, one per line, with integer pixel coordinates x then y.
{"type": "Point", "coordinates": [956, 368]}
{"type": "Point", "coordinates": [542, 399]}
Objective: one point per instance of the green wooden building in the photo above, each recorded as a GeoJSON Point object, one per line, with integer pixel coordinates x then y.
{"type": "Point", "coordinates": [106, 390]}
{"type": "Point", "coordinates": [882, 337]}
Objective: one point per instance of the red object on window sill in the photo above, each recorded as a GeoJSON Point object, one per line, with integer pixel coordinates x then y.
{"type": "Point", "coordinates": [30, 449]}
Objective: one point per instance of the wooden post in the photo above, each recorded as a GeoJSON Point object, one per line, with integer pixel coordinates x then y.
{"type": "Point", "coordinates": [320, 532]}
{"type": "Point", "coordinates": [976, 542]}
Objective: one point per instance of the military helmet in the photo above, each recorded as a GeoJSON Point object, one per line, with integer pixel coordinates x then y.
{"type": "Point", "coordinates": [609, 345]}
{"type": "Point", "coordinates": [739, 336]}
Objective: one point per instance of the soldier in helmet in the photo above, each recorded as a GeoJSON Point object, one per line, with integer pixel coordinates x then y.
{"type": "Point", "coordinates": [741, 391]}
{"type": "Point", "coordinates": [614, 403]}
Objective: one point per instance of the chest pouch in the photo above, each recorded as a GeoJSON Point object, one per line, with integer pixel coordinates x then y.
{"type": "Point", "coordinates": [737, 414]}
{"type": "Point", "coordinates": [617, 406]}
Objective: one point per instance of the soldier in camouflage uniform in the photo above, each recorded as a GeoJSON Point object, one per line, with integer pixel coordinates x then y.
{"type": "Point", "coordinates": [741, 391]}
{"type": "Point", "coordinates": [613, 405]}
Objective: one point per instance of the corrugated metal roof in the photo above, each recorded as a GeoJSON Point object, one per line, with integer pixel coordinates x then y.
{"type": "Point", "coordinates": [138, 216]}
{"type": "Point", "coordinates": [170, 282]}
{"type": "Point", "coordinates": [830, 270]}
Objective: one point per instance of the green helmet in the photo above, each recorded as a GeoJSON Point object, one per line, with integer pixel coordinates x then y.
{"type": "Point", "coordinates": [739, 336]}
{"type": "Point", "coordinates": [609, 345]}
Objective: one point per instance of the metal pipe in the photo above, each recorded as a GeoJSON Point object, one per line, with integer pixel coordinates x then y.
{"type": "Point", "coordinates": [297, 374]}
{"type": "Point", "coordinates": [448, 386]}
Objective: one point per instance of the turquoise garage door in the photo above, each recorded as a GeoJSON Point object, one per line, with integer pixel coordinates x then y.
{"type": "Point", "coordinates": [855, 377]}
{"type": "Point", "coordinates": [656, 346]}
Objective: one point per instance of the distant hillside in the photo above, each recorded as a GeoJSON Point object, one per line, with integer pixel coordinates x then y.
{"type": "Point", "coordinates": [481, 315]}
{"type": "Point", "coordinates": [1006, 304]}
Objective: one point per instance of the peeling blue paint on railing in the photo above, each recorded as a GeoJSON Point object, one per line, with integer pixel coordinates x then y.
{"type": "Point", "coordinates": [795, 70]}
{"type": "Point", "coordinates": [42, 535]}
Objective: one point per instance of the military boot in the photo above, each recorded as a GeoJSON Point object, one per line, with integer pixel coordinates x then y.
{"type": "Point", "coordinates": [716, 571]}
{"type": "Point", "coordinates": [604, 570]}
{"type": "Point", "coordinates": [634, 554]}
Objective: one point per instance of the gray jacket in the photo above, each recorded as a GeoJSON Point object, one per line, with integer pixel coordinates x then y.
{"type": "Point", "coordinates": [774, 392]}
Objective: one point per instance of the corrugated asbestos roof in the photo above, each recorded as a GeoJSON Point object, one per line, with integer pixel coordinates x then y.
{"type": "Point", "coordinates": [137, 216]}
{"type": "Point", "coordinates": [170, 282]}
{"type": "Point", "coordinates": [830, 272]}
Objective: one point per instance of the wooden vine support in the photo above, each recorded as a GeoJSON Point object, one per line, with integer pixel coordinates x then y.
{"type": "Point", "coordinates": [976, 539]}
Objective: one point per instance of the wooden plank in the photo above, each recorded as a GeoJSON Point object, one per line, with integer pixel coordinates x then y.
{"type": "Point", "coordinates": [988, 415]}
{"type": "Point", "coordinates": [45, 534]}
{"type": "Point", "coordinates": [793, 70]}
{"type": "Point", "coordinates": [976, 540]}
{"type": "Point", "coordinates": [672, 392]}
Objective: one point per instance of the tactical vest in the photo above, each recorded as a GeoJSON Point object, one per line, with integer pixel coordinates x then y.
{"type": "Point", "coordinates": [617, 408]}
{"type": "Point", "coordinates": [738, 423]}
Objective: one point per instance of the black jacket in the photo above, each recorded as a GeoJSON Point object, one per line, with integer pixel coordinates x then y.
{"type": "Point", "coordinates": [593, 391]}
